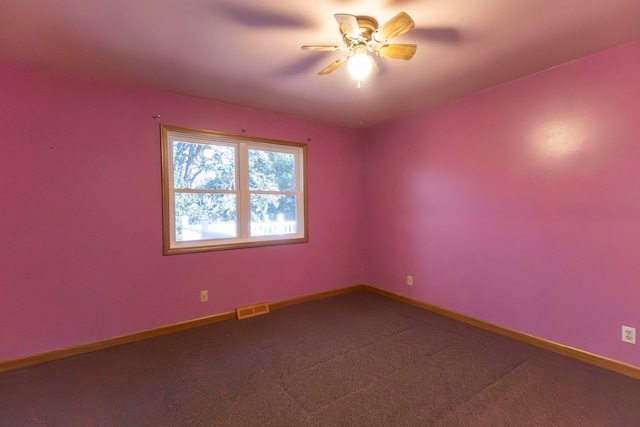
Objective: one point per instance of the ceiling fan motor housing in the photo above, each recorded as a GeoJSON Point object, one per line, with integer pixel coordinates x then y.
{"type": "Point", "coordinates": [368, 26]}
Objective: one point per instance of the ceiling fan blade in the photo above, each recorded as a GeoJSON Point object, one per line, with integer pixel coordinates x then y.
{"type": "Point", "coordinates": [399, 24]}
{"type": "Point", "coordinates": [374, 68]}
{"type": "Point", "coordinates": [300, 66]}
{"type": "Point", "coordinates": [333, 66]}
{"type": "Point", "coordinates": [262, 18]}
{"type": "Point", "coordinates": [397, 51]}
{"type": "Point", "coordinates": [321, 47]}
{"type": "Point", "coordinates": [437, 34]}
{"type": "Point", "coordinates": [348, 25]}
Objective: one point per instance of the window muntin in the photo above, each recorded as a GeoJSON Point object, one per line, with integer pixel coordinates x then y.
{"type": "Point", "coordinates": [223, 191]}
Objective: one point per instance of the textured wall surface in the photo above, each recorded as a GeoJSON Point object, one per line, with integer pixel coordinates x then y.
{"type": "Point", "coordinates": [519, 205]}
{"type": "Point", "coordinates": [81, 254]}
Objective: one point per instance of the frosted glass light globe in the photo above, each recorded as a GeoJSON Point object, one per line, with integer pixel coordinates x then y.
{"type": "Point", "coordinates": [359, 65]}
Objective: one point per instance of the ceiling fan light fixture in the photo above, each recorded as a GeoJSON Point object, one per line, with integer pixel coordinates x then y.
{"type": "Point", "coordinates": [359, 65]}
{"type": "Point", "coordinates": [361, 35]}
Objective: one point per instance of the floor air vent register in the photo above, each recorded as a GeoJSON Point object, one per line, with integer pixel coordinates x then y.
{"type": "Point", "coordinates": [252, 310]}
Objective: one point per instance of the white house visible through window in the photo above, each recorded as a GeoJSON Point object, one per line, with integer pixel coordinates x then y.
{"type": "Point", "coordinates": [224, 191]}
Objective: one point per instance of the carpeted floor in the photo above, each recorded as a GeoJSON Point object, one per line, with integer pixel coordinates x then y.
{"type": "Point", "coordinates": [358, 359]}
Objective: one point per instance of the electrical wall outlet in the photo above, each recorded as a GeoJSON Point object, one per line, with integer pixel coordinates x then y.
{"type": "Point", "coordinates": [410, 280]}
{"type": "Point", "coordinates": [629, 334]}
{"type": "Point", "coordinates": [204, 296]}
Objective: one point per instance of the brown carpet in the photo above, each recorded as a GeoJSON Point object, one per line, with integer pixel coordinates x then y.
{"type": "Point", "coordinates": [352, 360]}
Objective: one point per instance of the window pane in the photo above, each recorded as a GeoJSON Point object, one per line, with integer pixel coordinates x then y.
{"type": "Point", "coordinates": [272, 171]}
{"type": "Point", "coordinates": [273, 214]}
{"type": "Point", "coordinates": [203, 166]}
{"type": "Point", "coordinates": [205, 216]}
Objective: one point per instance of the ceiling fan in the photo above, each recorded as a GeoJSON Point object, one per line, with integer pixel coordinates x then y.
{"type": "Point", "coordinates": [361, 35]}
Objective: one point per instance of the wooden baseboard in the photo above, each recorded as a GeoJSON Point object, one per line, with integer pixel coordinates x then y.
{"type": "Point", "coordinates": [564, 350]}
{"type": "Point", "coordinates": [327, 294]}
{"type": "Point", "coordinates": [76, 350]}
{"type": "Point", "coordinates": [574, 353]}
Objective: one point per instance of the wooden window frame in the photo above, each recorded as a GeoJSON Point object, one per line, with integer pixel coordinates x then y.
{"type": "Point", "coordinates": [242, 144]}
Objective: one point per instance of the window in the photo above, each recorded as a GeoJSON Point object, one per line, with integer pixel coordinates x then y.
{"type": "Point", "coordinates": [222, 191]}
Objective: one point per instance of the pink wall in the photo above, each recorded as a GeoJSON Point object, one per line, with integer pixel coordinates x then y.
{"type": "Point", "coordinates": [519, 205]}
{"type": "Point", "coordinates": [80, 220]}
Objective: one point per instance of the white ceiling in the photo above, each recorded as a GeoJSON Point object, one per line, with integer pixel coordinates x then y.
{"type": "Point", "coordinates": [247, 52]}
